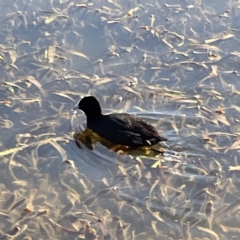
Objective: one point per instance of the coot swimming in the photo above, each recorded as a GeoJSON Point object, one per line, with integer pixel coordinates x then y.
{"type": "Point", "coordinates": [119, 128]}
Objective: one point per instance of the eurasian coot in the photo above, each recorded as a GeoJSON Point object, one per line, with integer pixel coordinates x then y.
{"type": "Point", "coordinates": [119, 128]}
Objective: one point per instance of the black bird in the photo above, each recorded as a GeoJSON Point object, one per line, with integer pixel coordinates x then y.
{"type": "Point", "coordinates": [119, 128]}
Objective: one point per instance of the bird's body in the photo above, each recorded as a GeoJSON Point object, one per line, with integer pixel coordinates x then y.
{"type": "Point", "coordinates": [119, 128]}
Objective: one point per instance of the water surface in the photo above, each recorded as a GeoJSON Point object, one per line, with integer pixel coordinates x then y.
{"type": "Point", "coordinates": [174, 64]}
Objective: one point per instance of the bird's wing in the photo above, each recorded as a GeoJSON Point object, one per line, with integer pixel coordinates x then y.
{"type": "Point", "coordinates": [134, 125]}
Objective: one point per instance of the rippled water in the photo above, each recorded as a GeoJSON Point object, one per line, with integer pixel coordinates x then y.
{"type": "Point", "coordinates": [174, 64]}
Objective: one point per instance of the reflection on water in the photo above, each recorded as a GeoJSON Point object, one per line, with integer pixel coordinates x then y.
{"type": "Point", "coordinates": [89, 138]}
{"type": "Point", "coordinates": [175, 65]}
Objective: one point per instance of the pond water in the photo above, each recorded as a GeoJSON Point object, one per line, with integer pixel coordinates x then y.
{"type": "Point", "coordinates": [173, 64]}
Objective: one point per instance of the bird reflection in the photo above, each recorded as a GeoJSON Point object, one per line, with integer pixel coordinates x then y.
{"type": "Point", "coordinates": [89, 138]}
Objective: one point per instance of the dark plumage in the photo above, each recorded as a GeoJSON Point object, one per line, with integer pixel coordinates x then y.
{"type": "Point", "coordinates": [119, 128]}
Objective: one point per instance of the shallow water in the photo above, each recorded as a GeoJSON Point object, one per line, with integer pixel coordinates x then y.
{"type": "Point", "coordinates": [174, 64]}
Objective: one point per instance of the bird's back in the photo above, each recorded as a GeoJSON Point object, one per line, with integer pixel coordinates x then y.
{"type": "Point", "coordinates": [125, 129]}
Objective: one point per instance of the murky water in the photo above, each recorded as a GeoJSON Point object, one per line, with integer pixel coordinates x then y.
{"type": "Point", "coordinates": [174, 64]}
